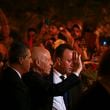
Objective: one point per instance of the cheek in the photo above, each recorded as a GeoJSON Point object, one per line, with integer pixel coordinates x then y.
{"type": "Point", "coordinates": [43, 66]}
{"type": "Point", "coordinates": [47, 68]}
{"type": "Point", "coordinates": [27, 66]}
{"type": "Point", "coordinates": [64, 64]}
{"type": "Point", "coordinates": [67, 66]}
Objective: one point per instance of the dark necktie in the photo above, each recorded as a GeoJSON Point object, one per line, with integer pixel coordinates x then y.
{"type": "Point", "coordinates": [65, 95]}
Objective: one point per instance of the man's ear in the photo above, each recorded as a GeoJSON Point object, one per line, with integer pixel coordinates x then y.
{"type": "Point", "coordinates": [59, 61]}
{"type": "Point", "coordinates": [37, 62]}
{"type": "Point", "coordinates": [20, 60]}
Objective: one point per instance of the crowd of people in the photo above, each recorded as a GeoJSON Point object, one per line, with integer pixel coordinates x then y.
{"type": "Point", "coordinates": [44, 71]}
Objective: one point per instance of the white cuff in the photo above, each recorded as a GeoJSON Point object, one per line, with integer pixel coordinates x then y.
{"type": "Point", "coordinates": [77, 74]}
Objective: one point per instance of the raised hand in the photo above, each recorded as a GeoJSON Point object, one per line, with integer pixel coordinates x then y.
{"type": "Point", "coordinates": [77, 63]}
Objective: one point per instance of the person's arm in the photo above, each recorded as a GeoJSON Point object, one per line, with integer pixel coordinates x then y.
{"type": "Point", "coordinates": [33, 80]}
{"type": "Point", "coordinates": [4, 23]}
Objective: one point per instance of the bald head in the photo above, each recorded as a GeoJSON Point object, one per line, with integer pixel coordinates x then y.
{"type": "Point", "coordinates": [39, 53]}
{"type": "Point", "coordinates": [42, 59]}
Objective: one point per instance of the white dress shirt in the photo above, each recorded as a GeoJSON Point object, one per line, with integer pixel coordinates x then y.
{"type": "Point", "coordinates": [58, 101]}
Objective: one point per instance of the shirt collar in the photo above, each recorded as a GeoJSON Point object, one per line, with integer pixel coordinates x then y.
{"type": "Point", "coordinates": [16, 71]}
{"type": "Point", "coordinates": [59, 74]}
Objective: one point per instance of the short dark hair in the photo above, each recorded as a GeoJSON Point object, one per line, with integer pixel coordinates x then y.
{"type": "Point", "coordinates": [60, 50]}
{"type": "Point", "coordinates": [17, 50]}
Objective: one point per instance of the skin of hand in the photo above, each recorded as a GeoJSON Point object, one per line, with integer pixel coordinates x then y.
{"type": "Point", "coordinates": [77, 63]}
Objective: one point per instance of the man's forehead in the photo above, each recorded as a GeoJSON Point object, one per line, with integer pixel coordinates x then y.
{"type": "Point", "coordinates": [40, 51]}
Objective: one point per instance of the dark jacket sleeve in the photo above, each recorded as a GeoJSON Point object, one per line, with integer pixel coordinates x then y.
{"type": "Point", "coordinates": [34, 80]}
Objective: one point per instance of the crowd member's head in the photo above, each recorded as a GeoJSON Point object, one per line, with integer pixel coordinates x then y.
{"type": "Point", "coordinates": [30, 37]}
{"type": "Point", "coordinates": [20, 57]}
{"type": "Point", "coordinates": [76, 31]}
{"type": "Point", "coordinates": [53, 29]}
{"type": "Point", "coordinates": [42, 61]}
{"type": "Point", "coordinates": [63, 59]}
{"type": "Point", "coordinates": [31, 33]}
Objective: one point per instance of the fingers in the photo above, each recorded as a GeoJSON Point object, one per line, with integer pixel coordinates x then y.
{"type": "Point", "coordinates": [75, 56]}
{"type": "Point", "coordinates": [77, 63]}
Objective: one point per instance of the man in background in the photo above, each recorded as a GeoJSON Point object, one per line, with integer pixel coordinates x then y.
{"type": "Point", "coordinates": [14, 93]}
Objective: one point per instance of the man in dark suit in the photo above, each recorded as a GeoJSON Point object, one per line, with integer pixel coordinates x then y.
{"type": "Point", "coordinates": [14, 93]}
{"type": "Point", "coordinates": [42, 90]}
{"type": "Point", "coordinates": [63, 67]}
